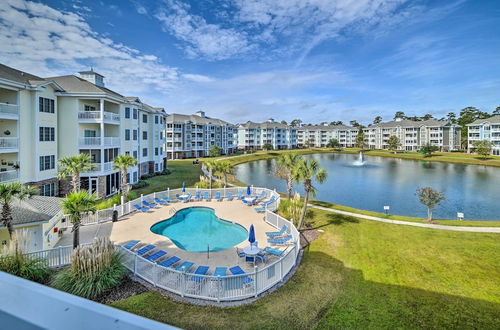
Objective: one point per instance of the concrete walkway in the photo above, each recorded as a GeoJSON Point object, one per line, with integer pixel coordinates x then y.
{"type": "Point", "coordinates": [415, 224]}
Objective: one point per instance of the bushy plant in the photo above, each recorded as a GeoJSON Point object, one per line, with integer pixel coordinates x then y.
{"type": "Point", "coordinates": [15, 262]}
{"type": "Point", "coordinates": [140, 184]}
{"type": "Point", "coordinates": [204, 183]}
{"type": "Point", "coordinates": [94, 270]}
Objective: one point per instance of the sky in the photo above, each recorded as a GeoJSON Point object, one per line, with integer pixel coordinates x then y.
{"type": "Point", "coordinates": [239, 60]}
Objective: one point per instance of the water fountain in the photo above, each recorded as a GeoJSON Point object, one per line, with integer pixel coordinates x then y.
{"type": "Point", "coordinates": [360, 161]}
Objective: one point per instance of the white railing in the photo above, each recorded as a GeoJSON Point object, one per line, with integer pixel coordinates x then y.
{"type": "Point", "coordinates": [108, 166]}
{"type": "Point", "coordinates": [10, 109]}
{"type": "Point", "coordinates": [219, 288]}
{"type": "Point", "coordinates": [9, 175]}
{"type": "Point", "coordinates": [9, 142]}
{"type": "Point", "coordinates": [111, 141]}
{"type": "Point", "coordinates": [96, 115]}
{"type": "Point", "coordinates": [111, 116]}
{"type": "Point", "coordinates": [90, 141]}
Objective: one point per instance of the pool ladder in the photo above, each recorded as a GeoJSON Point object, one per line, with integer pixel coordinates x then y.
{"type": "Point", "coordinates": [172, 210]}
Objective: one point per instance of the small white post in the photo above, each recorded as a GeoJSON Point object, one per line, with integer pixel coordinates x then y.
{"type": "Point", "coordinates": [142, 198]}
{"type": "Point", "coordinates": [168, 192]}
{"type": "Point", "coordinates": [114, 207]}
{"type": "Point", "coordinates": [255, 268]}
{"type": "Point", "coordinates": [60, 256]}
{"type": "Point", "coordinates": [281, 270]}
{"type": "Point", "coordinates": [122, 202]}
{"type": "Point", "coordinates": [135, 264]}
{"type": "Point", "coordinates": [154, 195]}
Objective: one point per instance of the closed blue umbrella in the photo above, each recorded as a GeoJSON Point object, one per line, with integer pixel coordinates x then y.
{"type": "Point", "coordinates": [184, 187]}
{"type": "Point", "coordinates": [251, 235]}
{"type": "Point", "coordinates": [249, 190]}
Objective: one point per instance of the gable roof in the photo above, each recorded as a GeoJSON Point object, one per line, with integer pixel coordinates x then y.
{"type": "Point", "coordinates": [412, 123]}
{"type": "Point", "coordinates": [8, 73]}
{"type": "Point", "coordinates": [35, 209]}
{"type": "Point", "coordinates": [177, 117]}
{"type": "Point", "coordinates": [492, 120]}
{"type": "Point", "coordinates": [74, 84]}
{"type": "Point", "coordinates": [267, 124]}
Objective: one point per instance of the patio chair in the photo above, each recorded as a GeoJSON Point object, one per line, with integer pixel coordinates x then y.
{"type": "Point", "coordinates": [168, 199]}
{"type": "Point", "coordinates": [197, 197]}
{"type": "Point", "coordinates": [229, 196]}
{"type": "Point", "coordinates": [131, 244]}
{"type": "Point", "coordinates": [185, 266]}
{"type": "Point", "coordinates": [148, 204]}
{"type": "Point", "coordinates": [201, 270]}
{"type": "Point", "coordinates": [260, 209]}
{"type": "Point", "coordinates": [206, 196]}
{"type": "Point", "coordinates": [159, 201]}
{"type": "Point", "coordinates": [280, 241]}
{"type": "Point", "coordinates": [262, 196]}
{"type": "Point", "coordinates": [240, 195]}
{"type": "Point", "coordinates": [274, 251]}
{"type": "Point", "coordinates": [240, 254]}
{"type": "Point", "coordinates": [250, 258]}
{"type": "Point", "coordinates": [236, 270]}
{"type": "Point", "coordinates": [145, 249]}
{"type": "Point", "coordinates": [140, 208]}
{"type": "Point", "coordinates": [170, 261]}
{"type": "Point", "coordinates": [220, 271]}
{"type": "Point", "coordinates": [157, 255]}
{"type": "Point", "coordinates": [218, 196]}
{"type": "Point", "coordinates": [274, 234]}
{"type": "Point", "coordinates": [261, 256]}
{"type": "Point", "coordinates": [268, 202]}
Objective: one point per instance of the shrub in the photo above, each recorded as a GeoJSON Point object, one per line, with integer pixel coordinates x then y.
{"type": "Point", "coordinates": [94, 270]}
{"type": "Point", "coordinates": [13, 261]}
{"type": "Point", "coordinates": [166, 171]}
{"type": "Point", "coordinates": [140, 184]}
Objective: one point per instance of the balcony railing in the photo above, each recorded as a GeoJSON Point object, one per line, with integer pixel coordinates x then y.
{"type": "Point", "coordinates": [9, 109]}
{"type": "Point", "coordinates": [96, 115]}
{"type": "Point", "coordinates": [96, 141]}
{"type": "Point", "coordinates": [9, 175]}
{"type": "Point", "coordinates": [9, 143]}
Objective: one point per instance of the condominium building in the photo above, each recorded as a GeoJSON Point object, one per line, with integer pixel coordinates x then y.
{"type": "Point", "coordinates": [191, 136]}
{"type": "Point", "coordinates": [320, 135]}
{"type": "Point", "coordinates": [252, 136]}
{"type": "Point", "coordinates": [413, 135]}
{"type": "Point", "coordinates": [485, 129]}
{"type": "Point", "coordinates": [45, 119]}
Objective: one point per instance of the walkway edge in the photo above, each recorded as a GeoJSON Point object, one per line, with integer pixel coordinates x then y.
{"type": "Point", "coordinates": [415, 224]}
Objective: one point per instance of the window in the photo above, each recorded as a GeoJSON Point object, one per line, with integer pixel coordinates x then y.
{"type": "Point", "coordinates": [156, 167]}
{"type": "Point", "coordinates": [135, 135]}
{"type": "Point", "coordinates": [127, 113]}
{"type": "Point", "coordinates": [47, 163]}
{"type": "Point", "coordinates": [87, 107]}
{"type": "Point", "coordinates": [48, 189]}
{"type": "Point", "coordinates": [46, 105]}
{"type": "Point", "coordinates": [89, 133]}
{"type": "Point", "coordinates": [156, 119]}
{"type": "Point", "coordinates": [135, 155]}
{"type": "Point", "coordinates": [135, 114]}
{"type": "Point", "coordinates": [47, 134]}
{"type": "Point", "coordinates": [144, 135]}
{"type": "Point", "coordinates": [127, 135]}
{"type": "Point", "coordinates": [156, 151]}
{"type": "Point", "coordinates": [128, 177]}
{"type": "Point", "coordinates": [144, 152]}
{"type": "Point", "coordinates": [135, 176]}
{"type": "Point", "coordinates": [144, 118]}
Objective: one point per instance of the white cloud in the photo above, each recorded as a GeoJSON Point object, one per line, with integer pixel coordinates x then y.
{"type": "Point", "coordinates": [41, 40]}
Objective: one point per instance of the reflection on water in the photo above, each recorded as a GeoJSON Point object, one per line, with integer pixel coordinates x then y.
{"type": "Point", "coordinates": [471, 189]}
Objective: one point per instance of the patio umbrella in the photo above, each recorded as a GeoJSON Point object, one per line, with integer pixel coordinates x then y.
{"type": "Point", "coordinates": [251, 235]}
{"type": "Point", "coordinates": [184, 187]}
{"type": "Point", "coordinates": [249, 190]}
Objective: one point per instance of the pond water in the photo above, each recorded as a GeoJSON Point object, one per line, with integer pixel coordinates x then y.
{"type": "Point", "coordinates": [373, 182]}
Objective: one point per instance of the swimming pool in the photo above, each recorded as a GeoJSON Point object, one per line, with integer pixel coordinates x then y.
{"type": "Point", "coordinates": [198, 229]}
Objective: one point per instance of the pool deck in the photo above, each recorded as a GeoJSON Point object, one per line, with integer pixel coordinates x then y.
{"type": "Point", "coordinates": [137, 226]}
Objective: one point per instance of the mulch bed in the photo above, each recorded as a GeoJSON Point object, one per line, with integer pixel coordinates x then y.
{"type": "Point", "coordinates": [307, 236]}
{"type": "Point", "coordinates": [126, 289]}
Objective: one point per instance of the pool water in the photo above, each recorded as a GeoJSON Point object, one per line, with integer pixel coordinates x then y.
{"type": "Point", "coordinates": [198, 229]}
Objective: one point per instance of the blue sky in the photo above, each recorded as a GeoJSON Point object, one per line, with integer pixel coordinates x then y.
{"type": "Point", "coordinates": [317, 60]}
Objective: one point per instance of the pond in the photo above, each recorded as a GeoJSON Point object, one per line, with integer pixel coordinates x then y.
{"type": "Point", "coordinates": [373, 182]}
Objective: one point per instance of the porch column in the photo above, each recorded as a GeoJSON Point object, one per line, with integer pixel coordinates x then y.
{"type": "Point", "coordinates": [101, 109]}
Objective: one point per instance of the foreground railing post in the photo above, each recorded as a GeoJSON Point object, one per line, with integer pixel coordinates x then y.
{"type": "Point", "coordinates": [183, 284]}
{"type": "Point", "coordinates": [281, 270]}
{"type": "Point", "coordinates": [256, 290]}
{"type": "Point", "coordinates": [135, 264]}
{"type": "Point", "coordinates": [122, 204]}
{"type": "Point", "coordinates": [60, 256]}
{"type": "Point", "coordinates": [155, 274]}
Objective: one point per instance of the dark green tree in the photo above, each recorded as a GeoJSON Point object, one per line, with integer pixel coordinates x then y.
{"type": "Point", "coordinates": [400, 115]}
{"type": "Point", "coordinates": [214, 151]}
{"type": "Point", "coordinates": [377, 120]}
{"type": "Point", "coordinates": [428, 149]}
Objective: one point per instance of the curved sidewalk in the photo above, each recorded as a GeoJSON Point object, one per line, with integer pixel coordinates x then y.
{"type": "Point", "coordinates": [415, 224]}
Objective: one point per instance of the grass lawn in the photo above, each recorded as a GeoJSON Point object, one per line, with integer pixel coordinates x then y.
{"type": "Point", "coordinates": [365, 274]}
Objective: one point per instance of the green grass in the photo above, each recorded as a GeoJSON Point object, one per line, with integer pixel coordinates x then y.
{"type": "Point", "coordinates": [364, 274]}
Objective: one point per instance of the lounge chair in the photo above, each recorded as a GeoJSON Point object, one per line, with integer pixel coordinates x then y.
{"type": "Point", "coordinates": [159, 201]}
{"type": "Point", "coordinates": [185, 266]}
{"type": "Point", "coordinates": [268, 202]}
{"type": "Point", "coordinates": [229, 196]}
{"type": "Point", "coordinates": [274, 234]}
{"type": "Point", "coordinates": [185, 199]}
{"type": "Point", "coordinates": [206, 196]}
{"type": "Point", "coordinates": [168, 199]}
{"type": "Point", "coordinates": [240, 195]}
{"type": "Point", "coordinates": [280, 241]}
{"type": "Point", "coordinates": [170, 261]}
{"type": "Point", "coordinates": [140, 208]}
{"type": "Point", "coordinates": [220, 271]}
{"type": "Point", "coordinates": [197, 197]}
{"type": "Point", "coordinates": [274, 251]}
{"type": "Point", "coordinates": [250, 202]}
{"type": "Point", "coordinates": [130, 244]}
{"type": "Point", "coordinates": [150, 205]}
{"type": "Point", "coordinates": [201, 270]}
{"type": "Point", "coordinates": [236, 270]}
{"type": "Point", "coordinates": [145, 249]}
{"type": "Point", "coordinates": [262, 196]}
{"type": "Point", "coordinates": [260, 209]}
{"type": "Point", "coordinates": [218, 196]}
{"type": "Point", "coordinates": [157, 255]}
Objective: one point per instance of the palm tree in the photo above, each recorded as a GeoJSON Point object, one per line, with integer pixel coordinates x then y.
{"type": "Point", "coordinates": [305, 172]}
{"type": "Point", "coordinates": [225, 167]}
{"type": "Point", "coordinates": [211, 165]}
{"type": "Point", "coordinates": [286, 165]}
{"type": "Point", "coordinates": [8, 193]}
{"type": "Point", "coordinates": [73, 166]}
{"type": "Point", "coordinates": [122, 163]}
{"type": "Point", "coordinates": [76, 204]}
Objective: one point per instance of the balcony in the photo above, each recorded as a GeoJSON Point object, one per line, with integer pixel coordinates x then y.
{"type": "Point", "coordinates": [93, 116]}
{"type": "Point", "coordinates": [96, 142]}
{"type": "Point", "coordinates": [9, 111]}
{"type": "Point", "coordinates": [9, 144]}
{"type": "Point", "coordinates": [9, 175]}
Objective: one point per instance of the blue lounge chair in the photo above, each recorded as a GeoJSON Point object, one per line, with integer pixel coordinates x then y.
{"type": "Point", "coordinates": [197, 197]}
{"type": "Point", "coordinates": [240, 195]}
{"type": "Point", "coordinates": [250, 202]}
{"type": "Point", "coordinates": [140, 208]}
{"type": "Point", "coordinates": [157, 255]}
{"type": "Point", "coordinates": [229, 196]}
{"type": "Point", "coordinates": [185, 266]}
{"type": "Point", "coordinates": [240, 254]}
{"type": "Point", "coordinates": [185, 199]}
{"type": "Point", "coordinates": [273, 251]}
{"type": "Point", "coordinates": [201, 270]}
{"type": "Point", "coordinates": [218, 196]}
{"type": "Point", "coordinates": [236, 270]}
{"type": "Point", "coordinates": [159, 201]}
{"type": "Point", "coordinates": [206, 196]}
{"type": "Point", "coordinates": [268, 202]}
{"type": "Point", "coordinates": [220, 271]}
{"type": "Point", "coordinates": [170, 261]}
{"type": "Point", "coordinates": [131, 244]}
{"type": "Point", "coordinates": [260, 209]}
{"type": "Point", "coordinates": [262, 196]}
{"type": "Point", "coordinates": [280, 241]}
{"type": "Point", "coordinates": [168, 199]}
{"type": "Point", "coordinates": [148, 204]}
{"type": "Point", "coordinates": [274, 234]}
{"type": "Point", "coordinates": [260, 256]}
{"type": "Point", "coordinates": [142, 251]}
